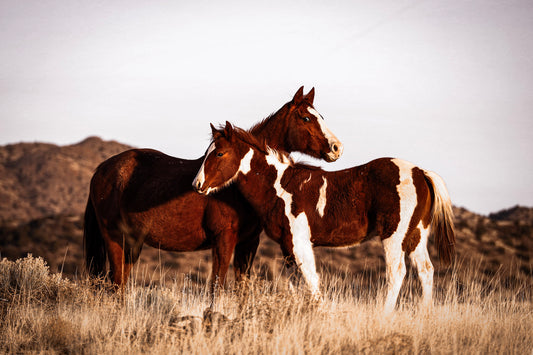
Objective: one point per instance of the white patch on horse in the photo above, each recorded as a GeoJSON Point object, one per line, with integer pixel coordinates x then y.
{"type": "Point", "coordinates": [322, 199]}
{"type": "Point", "coordinates": [246, 161]}
{"type": "Point", "coordinates": [244, 168]}
{"type": "Point", "coordinates": [200, 176]}
{"type": "Point", "coordinates": [394, 255]}
{"type": "Point", "coordinates": [303, 251]}
{"type": "Point", "coordinates": [299, 227]}
{"type": "Point", "coordinates": [304, 182]}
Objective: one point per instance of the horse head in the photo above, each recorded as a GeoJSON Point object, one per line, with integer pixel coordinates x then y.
{"type": "Point", "coordinates": [307, 131]}
{"type": "Point", "coordinates": [226, 157]}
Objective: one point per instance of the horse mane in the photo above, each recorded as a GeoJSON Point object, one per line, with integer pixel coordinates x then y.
{"type": "Point", "coordinates": [261, 145]}
{"type": "Point", "coordinates": [257, 128]}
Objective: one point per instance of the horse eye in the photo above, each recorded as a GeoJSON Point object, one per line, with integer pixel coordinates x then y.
{"type": "Point", "coordinates": [306, 119]}
{"type": "Point", "coordinates": [220, 154]}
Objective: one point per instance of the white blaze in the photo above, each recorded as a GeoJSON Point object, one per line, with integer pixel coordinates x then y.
{"type": "Point", "coordinates": [325, 130]}
{"type": "Point", "coordinates": [200, 177]}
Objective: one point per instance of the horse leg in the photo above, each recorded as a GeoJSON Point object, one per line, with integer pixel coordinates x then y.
{"type": "Point", "coordinates": [122, 256]}
{"type": "Point", "coordinates": [120, 270]}
{"type": "Point", "coordinates": [223, 250]}
{"type": "Point", "coordinates": [396, 270]}
{"type": "Point", "coordinates": [290, 268]}
{"type": "Point", "coordinates": [420, 259]}
{"type": "Point", "coordinates": [244, 256]}
{"type": "Point", "coordinates": [302, 249]}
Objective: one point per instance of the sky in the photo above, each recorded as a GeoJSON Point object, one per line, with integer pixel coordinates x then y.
{"type": "Point", "coordinates": [447, 85]}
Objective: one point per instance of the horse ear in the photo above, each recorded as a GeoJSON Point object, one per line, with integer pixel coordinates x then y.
{"type": "Point", "coordinates": [228, 130]}
{"type": "Point", "coordinates": [215, 132]}
{"type": "Point", "coordinates": [310, 97]}
{"type": "Point", "coordinates": [299, 96]}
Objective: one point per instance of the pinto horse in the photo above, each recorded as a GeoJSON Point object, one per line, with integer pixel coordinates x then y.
{"type": "Point", "coordinates": [144, 196]}
{"type": "Point", "coordinates": [301, 206]}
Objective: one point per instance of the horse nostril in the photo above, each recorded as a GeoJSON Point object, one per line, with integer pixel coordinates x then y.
{"type": "Point", "coordinates": [335, 148]}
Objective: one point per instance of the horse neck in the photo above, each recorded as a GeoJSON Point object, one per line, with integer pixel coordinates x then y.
{"type": "Point", "coordinates": [273, 129]}
{"type": "Point", "coordinates": [256, 185]}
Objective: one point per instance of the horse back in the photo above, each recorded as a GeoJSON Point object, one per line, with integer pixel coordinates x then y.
{"type": "Point", "coordinates": [148, 195]}
{"type": "Point", "coordinates": [365, 201]}
{"type": "Point", "coordinates": [142, 178]}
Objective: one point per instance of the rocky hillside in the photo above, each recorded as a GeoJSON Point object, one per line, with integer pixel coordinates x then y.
{"type": "Point", "coordinates": [43, 189]}
{"type": "Point", "coordinates": [38, 179]}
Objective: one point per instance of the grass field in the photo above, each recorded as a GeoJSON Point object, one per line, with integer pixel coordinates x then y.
{"type": "Point", "coordinates": [45, 313]}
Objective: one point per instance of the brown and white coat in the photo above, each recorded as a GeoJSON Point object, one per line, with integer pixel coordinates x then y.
{"type": "Point", "coordinates": [302, 206]}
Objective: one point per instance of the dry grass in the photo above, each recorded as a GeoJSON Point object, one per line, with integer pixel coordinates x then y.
{"type": "Point", "coordinates": [44, 312]}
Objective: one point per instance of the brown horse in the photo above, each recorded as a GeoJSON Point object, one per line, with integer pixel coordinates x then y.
{"type": "Point", "coordinates": [144, 196]}
{"type": "Point", "coordinates": [301, 205]}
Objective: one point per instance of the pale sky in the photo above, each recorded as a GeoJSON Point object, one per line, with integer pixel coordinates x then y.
{"type": "Point", "coordinates": [445, 84]}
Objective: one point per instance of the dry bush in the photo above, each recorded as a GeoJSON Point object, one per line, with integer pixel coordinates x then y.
{"type": "Point", "coordinates": [46, 313]}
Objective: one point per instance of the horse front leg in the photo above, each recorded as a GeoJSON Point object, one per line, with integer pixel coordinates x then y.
{"type": "Point", "coordinates": [302, 249]}
{"type": "Point", "coordinates": [222, 251]}
{"type": "Point", "coordinates": [290, 268]}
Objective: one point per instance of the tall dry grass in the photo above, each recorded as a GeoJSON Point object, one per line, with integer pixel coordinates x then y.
{"type": "Point", "coordinates": [43, 312]}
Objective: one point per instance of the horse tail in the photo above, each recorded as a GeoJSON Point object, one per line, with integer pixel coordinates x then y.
{"type": "Point", "coordinates": [442, 226]}
{"type": "Point", "coordinates": [93, 243]}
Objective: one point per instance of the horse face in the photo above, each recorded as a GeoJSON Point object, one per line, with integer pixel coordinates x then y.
{"type": "Point", "coordinates": [223, 162]}
{"type": "Point", "coordinates": [307, 131]}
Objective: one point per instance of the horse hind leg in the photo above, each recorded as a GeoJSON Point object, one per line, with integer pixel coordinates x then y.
{"type": "Point", "coordinates": [420, 259]}
{"type": "Point", "coordinates": [395, 270]}
{"type": "Point", "coordinates": [121, 260]}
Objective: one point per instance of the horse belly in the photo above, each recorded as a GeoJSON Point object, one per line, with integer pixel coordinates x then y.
{"type": "Point", "coordinates": [176, 225]}
{"type": "Point", "coordinates": [341, 235]}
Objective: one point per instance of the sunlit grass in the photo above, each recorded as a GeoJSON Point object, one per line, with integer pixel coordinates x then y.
{"type": "Point", "coordinates": [41, 312]}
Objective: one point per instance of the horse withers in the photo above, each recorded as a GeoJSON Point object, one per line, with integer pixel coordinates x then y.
{"type": "Point", "coordinates": [144, 196]}
{"type": "Point", "coordinates": [302, 206]}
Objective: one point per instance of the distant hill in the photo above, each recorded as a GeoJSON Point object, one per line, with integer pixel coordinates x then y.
{"type": "Point", "coordinates": [39, 180]}
{"type": "Point", "coordinates": [44, 189]}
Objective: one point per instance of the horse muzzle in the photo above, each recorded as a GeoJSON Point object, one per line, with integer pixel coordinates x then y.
{"type": "Point", "coordinates": [336, 149]}
{"type": "Point", "coordinates": [197, 186]}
